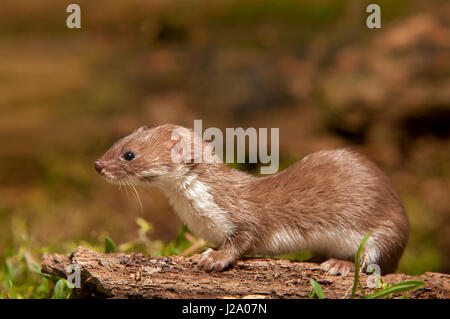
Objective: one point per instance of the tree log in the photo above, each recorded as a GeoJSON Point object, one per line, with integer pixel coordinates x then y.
{"type": "Point", "coordinates": [137, 276]}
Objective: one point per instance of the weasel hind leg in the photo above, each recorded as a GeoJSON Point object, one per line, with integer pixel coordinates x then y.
{"type": "Point", "coordinates": [337, 267]}
{"type": "Point", "coordinates": [215, 260]}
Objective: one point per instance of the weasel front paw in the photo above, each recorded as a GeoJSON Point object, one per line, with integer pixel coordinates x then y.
{"type": "Point", "coordinates": [337, 267]}
{"type": "Point", "coordinates": [214, 260]}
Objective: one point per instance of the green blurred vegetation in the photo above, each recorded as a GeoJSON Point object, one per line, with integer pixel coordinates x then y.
{"type": "Point", "coordinates": [21, 276]}
{"type": "Point", "coordinates": [309, 67]}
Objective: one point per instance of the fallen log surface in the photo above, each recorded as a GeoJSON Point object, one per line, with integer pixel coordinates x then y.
{"type": "Point", "coordinates": [137, 276]}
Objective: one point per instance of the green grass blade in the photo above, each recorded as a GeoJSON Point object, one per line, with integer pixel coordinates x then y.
{"type": "Point", "coordinates": [317, 290]}
{"type": "Point", "coordinates": [408, 285]}
{"type": "Point", "coordinates": [38, 271]}
{"type": "Point", "coordinates": [9, 273]}
{"type": "Point", "coordinates": [357, 258]}
{"type": "Point", "coordinates": [110, 246]}
{"type": "Point", "coordinates": [12, 289]}
{"type": "Point", "coordinates": [58, 291]}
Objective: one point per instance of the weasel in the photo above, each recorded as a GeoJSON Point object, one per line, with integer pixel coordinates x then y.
{"type": "Point", "coordinates": [325, 203]}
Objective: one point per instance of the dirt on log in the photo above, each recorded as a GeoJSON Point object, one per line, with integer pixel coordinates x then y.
{"type": "Point", "coordinates": [137, 276]}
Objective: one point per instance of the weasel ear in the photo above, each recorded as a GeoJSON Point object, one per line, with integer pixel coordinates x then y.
{"type": "Point", "coordinates": [141, 129]}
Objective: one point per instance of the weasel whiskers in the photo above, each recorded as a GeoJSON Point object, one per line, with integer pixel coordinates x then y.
{"type": "Point", "coordinates": [137, 194]}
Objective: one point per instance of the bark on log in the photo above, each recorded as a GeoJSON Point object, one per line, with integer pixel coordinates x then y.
{"type": "Point", "coordinates": [136, 276]}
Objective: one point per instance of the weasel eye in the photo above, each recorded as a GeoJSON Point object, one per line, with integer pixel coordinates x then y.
{"type": "Point", "coordinates": [129, 156]}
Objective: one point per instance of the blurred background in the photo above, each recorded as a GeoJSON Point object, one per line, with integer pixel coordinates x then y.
{"type": "Point", "coordinates": [311, 68]}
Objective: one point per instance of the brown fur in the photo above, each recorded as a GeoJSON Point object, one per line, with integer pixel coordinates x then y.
{"type": "Point", "coordinates": [325, 192]}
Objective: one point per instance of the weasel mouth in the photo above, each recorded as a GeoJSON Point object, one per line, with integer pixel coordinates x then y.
{"type": "Point", "coordinates": [99, 168]}
{"type": "Point", "coordinates": [108, 176]}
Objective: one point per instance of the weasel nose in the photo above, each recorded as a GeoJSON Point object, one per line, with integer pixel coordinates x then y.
{"type": "Point", "coordinates": [99, 167]}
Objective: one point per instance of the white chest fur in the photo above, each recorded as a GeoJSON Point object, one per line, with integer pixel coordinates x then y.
{"type": "Point", "coordinates": [193, 202]}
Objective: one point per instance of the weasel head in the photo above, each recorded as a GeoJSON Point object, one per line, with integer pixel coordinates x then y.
{"type": "Point", "coordinates": [143, 157]}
